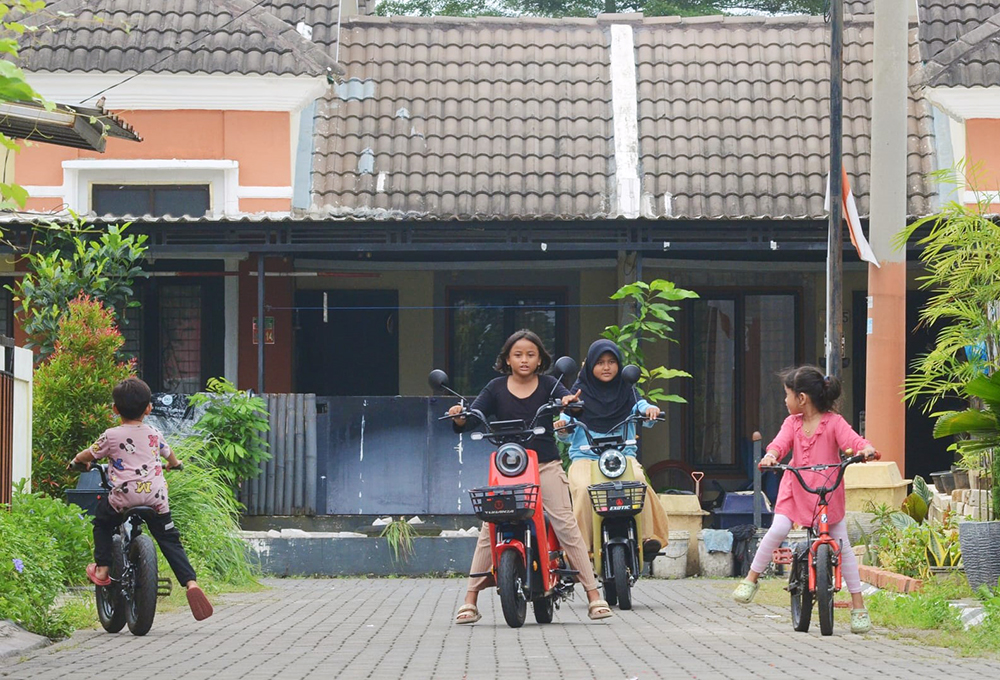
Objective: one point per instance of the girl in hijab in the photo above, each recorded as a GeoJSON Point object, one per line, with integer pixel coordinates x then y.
{"type": "Point", "coordinates": [607, 401]}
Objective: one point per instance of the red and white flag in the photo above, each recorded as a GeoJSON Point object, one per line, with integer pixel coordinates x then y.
{"type": "Point", "coordinates": [861, 244]}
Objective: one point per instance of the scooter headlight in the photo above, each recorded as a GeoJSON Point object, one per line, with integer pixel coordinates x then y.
{"type": "Point", "coordinates": [612, 463]}
{"type": "Point", "coordinates": [511, 460]}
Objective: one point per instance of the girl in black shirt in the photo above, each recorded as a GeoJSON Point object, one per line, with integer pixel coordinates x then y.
{"type": "Point", "coordinates": [517, 395]}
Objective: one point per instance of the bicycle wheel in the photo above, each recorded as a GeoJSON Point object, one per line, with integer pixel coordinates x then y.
{"type": "Point", "coordinates": [510, 577]}
{"type": "Point", "coordinates": [110, 604]}
{"type": "Point", "coordinates": [824, 588]}
{"type": "Point", "coordinates": [142, 608]}
{"type": "Point", "coordinates": [798, 587]}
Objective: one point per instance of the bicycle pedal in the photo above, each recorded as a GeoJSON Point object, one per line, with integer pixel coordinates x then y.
{"type": "Point", "coordinates": [782, 556]}
{"type": "Point", "coordinates": [164, 586]}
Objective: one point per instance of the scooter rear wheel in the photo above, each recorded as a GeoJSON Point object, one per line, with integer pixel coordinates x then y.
{"type": "Point", "coordinates": [510, 577]}
{"type": "Point", "coordinates": [619, 565]}
{"type": "Point", "coordinates": [110, 603]}
{"type": "Point", "coordinates": [544, 608]}
{"type": "Point", "coordinates": [140, 611]}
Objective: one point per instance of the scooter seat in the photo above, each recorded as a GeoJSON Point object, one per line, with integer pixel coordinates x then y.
{"type": "Point", "coordinates": [143, 511]}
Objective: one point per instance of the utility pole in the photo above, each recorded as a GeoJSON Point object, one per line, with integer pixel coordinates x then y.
{"type": "Point", "coordinates": [885, 372]}
{"type": "Point", "coordinates": [835, 237]}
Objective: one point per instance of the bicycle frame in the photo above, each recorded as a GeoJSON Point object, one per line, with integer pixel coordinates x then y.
{"type": "Point", "coordinates": [820, 535]}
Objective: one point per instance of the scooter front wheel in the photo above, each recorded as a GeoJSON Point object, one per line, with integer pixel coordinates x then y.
{"type": "Point", "coordinates": [623, 586]}
{"type": "Point", "coordinates": [510, 578]}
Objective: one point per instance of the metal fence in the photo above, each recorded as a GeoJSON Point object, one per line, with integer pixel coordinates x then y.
{"type": "Point", "coordinates": [287, 484]}
{"type": "Point", "coordinates": [6, 419]}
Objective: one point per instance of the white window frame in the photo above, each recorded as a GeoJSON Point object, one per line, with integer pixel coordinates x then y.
{"type": "Point", "coordinates": [222, 176]}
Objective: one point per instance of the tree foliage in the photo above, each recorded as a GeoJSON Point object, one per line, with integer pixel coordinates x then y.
{"type": "Point", "coordinates": [590, 8]}
{"type": "Point", "coordinates": [71, 260]}
{"type": "Point", "coordinates": [14, 23]}
{"type": "Point", "coordinates": [653, 320]}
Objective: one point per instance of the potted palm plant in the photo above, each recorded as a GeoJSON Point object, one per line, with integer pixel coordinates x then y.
{"type": "Point", "coordinates": [961, 257]}
{"type": "Point", "coordinates": [980, 540]}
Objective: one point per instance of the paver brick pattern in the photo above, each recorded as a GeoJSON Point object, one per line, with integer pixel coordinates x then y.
{"type": "Point", "coordinates": [402, 628]}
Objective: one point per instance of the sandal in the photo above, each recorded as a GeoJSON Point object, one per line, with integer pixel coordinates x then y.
{"type": "Point", "coordinates": [598, 609]}
{"type": "Point", "coordinates": [860, 621]}
{"type": "Point", "coordinates": [92, 575]}
{"type": "Point", "coordinates": [470, 609]}
{"type": "Point", "coordinates": [745, 591]}
{"type": "Point", "coordinates": [201, 608]}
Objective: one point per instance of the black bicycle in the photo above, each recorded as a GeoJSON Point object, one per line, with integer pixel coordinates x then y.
{"type": "Point", "coordinates": [130, 598]}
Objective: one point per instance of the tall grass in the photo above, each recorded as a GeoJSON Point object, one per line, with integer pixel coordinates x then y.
{"type": "Point", "coordinates": [207, 515]}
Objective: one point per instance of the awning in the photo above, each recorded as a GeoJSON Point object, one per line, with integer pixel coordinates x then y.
{"type": "Point", "coordinates": [82, 127]}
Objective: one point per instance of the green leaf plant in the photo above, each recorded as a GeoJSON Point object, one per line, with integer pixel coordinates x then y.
{"type": "Point", "coordinates": [653, 320]}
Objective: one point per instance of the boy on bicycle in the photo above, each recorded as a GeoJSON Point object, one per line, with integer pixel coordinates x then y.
{"type": "Point", "coordinates": [133, 450]}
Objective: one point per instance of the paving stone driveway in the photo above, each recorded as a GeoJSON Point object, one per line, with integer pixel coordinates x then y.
{"type": "Point", "coordinates": [402, 628]}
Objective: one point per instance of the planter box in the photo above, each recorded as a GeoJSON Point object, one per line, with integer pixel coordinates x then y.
{"type": "Point", "coordinates": [876, 483]}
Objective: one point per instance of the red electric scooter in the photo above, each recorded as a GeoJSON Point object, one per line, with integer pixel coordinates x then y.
{"type": "Point", "coordinates": [528, 562]}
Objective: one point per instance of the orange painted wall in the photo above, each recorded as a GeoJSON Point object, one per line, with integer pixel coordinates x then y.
{"type": "Point", "coordinates": [278, 292]}
{"type": "Point", "coordinates": [258, 140]}
{"type": "Point", "coordinates": [982, 145]}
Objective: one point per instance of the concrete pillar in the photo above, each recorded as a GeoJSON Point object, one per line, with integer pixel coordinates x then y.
{"type": "Point", "coordinates": [885, 412]}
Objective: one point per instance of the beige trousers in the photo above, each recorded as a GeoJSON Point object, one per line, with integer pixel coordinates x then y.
{"type": "Point", "coordinates": [555, 500]}
{"type": "Point", "coordinates": [653, 518]}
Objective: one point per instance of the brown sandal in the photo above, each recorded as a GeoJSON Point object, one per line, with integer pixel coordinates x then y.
{"type": "Point", "coordinates": [201, 608]}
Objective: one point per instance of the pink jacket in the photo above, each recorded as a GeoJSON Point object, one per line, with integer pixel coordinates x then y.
{"type": "Point", "coordinates": [832, 436]}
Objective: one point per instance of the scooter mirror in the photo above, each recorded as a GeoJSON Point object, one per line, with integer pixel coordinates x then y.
{"type": "Point", "coordinates": [631, 374]}
{"type": "Point", "coordinates": [565, 366]}
{"type": "Point", "coordinates": [539, 430]}
{"type": "Point", "coordinates": [476, 436]}
{"type": "Point", "coordinates": [437, 378]}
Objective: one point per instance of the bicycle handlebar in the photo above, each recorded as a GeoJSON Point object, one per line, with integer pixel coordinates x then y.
{"type": "Point", "coordinates": [842, 466]}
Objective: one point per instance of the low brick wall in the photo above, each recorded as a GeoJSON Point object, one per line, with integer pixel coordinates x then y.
{"type": "Point", "coordinates": [887, 580]}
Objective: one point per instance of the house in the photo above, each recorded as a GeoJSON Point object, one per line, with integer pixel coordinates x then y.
{"type": "Point", "coordinates": [466, 177]}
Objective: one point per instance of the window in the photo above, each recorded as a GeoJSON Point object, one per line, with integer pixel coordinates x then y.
{"type": "Point", "coordinates": [158, 200]}
{"type": "Point", "coordinates": [738, 344]}
{"type": "Point", "coordinates": [480, 320]}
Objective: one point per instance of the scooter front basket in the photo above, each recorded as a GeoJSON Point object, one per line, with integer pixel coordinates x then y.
{"type": "Point", "coordinates": [513, 502]}
{"type": "Point", "coordinates": [615, 499]}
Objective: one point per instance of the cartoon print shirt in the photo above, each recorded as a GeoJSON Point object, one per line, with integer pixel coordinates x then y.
{"type": "Point", "coordinates": [134, 468]}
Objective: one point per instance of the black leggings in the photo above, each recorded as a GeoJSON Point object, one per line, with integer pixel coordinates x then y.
{"type": "Point", "coordinates": [107, 519]}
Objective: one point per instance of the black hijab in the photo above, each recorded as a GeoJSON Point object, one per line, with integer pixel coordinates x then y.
{"type": "Point", "coordinates": [606, 404]}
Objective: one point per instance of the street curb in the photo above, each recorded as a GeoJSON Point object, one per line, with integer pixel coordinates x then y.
{"type": "Point", "coordinates": [15, 641]}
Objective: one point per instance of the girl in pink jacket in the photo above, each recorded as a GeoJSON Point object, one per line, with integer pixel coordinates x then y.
{"type": "Point", "coordinates": [815, 434]}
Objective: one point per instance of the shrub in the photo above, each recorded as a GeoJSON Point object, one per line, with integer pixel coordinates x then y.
{"type": "Point", "coordinates": [207, 515]}
{"type": "Point", "coordinates": [232, 423]}
{"type": "Point", "coordinates": [72, 392]}
{"type": "Point", "coordinates": [45, 544]}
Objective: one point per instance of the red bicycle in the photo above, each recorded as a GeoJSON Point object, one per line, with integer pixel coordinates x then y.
{"type": "Point", "coordinates": [815, 563]}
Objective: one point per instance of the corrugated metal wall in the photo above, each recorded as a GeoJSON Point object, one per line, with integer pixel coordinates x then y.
{"type": "Point", "coordinates": [287, 483]}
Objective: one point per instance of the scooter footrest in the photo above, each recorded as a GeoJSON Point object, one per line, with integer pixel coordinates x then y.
{"type": "Point", "coordinates": [480, 574]}
{"type": "Point", "coordinates": [782, 556]}
{"type": "Point", "coordinates": [164, 586]}
{"type": "Point", "coordinates": [565, 572]}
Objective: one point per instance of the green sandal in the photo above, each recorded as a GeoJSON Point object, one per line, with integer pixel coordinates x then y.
{"type": "Point", "coordinates": [745, 591]}
{"type": "Point", "coordinates": [860, 621]}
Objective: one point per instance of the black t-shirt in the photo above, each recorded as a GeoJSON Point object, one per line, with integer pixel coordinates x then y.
{"type": "Point", "coordinates": [497, 403]}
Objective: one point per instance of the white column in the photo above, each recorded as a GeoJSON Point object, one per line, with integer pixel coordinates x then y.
{"type": "Point", "coordinates": [624, 105]}
{"type": "Point", "coordinates": [23, 375]}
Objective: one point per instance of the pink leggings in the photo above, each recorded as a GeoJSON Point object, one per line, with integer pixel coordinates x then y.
{"type": "Point", "coordinates": [779, 531]}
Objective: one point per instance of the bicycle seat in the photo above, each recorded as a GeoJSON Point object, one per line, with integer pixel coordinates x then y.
{"type": "Point", "coordinates": [142, 511]}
